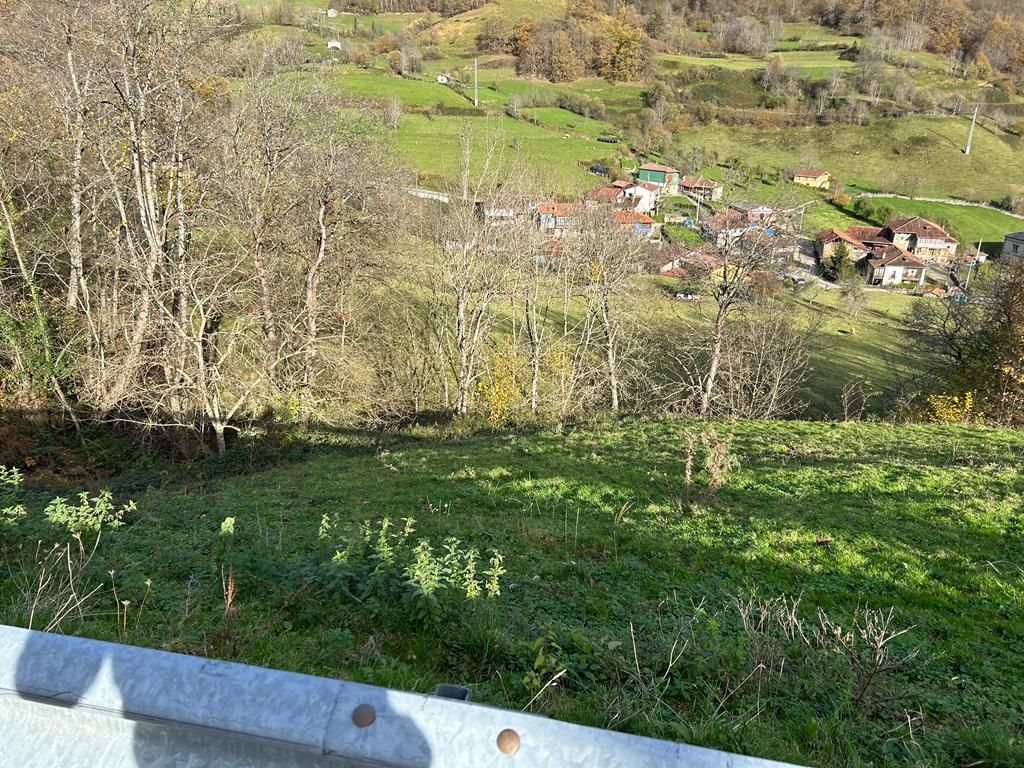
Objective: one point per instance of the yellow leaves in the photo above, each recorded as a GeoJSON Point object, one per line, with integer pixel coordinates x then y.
{"type": "Point", "coordinates": [952, 409]}
{"type": "Point", "coordinates": [500, 389]}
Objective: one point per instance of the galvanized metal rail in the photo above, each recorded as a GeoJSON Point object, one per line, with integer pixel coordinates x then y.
{"type": "Point", "coordinates": [68, 701]}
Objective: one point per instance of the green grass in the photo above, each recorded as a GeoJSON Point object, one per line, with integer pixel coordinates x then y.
{"type": "Point", "coordinates": [868, 346]}
{"type": "Point", "coordinates": [602, 558]}
{"type": "Point", "coordinates": [679, 234]}
{"type": "Point", "coordinates": [377, 84]}
{"type": "Point", "coordinates": [431, 144]}
{"type": "Point", "coordinates": [970, 224]}
{"type": "Point", "coordinates": [915, 154]}
{"type": "Point", "coordinates": [811, 65]}
{"type": "Point", "coordinates": [812, 34]}
{"type": "Point", "coordinates": [564, 120]}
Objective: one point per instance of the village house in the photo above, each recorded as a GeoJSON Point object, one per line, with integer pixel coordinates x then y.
{"type": "Point", "coordinates": [556, 218]}
{"type": "Point", "coordinates": [882, 261]}
{"type": "Point", "coordinates": [725, 227]}
{"type": "Point", "coordinates": [666, 177]}
{"type": "Point", "coordinates": [827, 243]}
{"type": "Point", "coordinates": [1013, 245]}
{"type": "Point", "coordinates": [643, 196]}
{"type": "Point", "coordinates": [606, 194]}
{"type": "Point", "coordinates": [812, 177]}
{"type": "Point", "coordinates": [699, 188]}
{"type": "Point", "coordinates": [753, 213]}
{"type": "Point", "coordinates": [923, 238]}
{"type": "Point", "coordinates": [493, 212]}
{"type": "Point", "coordinates": [896, 267]}
{"type": "Point", "coordinates": [642, 225]}
{"type": "Point", "coordinates": [683, 262]}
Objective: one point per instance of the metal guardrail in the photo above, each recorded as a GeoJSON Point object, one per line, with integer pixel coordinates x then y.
{"type": "Point", "coordinates": [67, 701]}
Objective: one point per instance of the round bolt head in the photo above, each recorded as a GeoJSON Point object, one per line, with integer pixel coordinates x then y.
{"type": "Point", "coordinates": [508, 742]}
{"type": "Point", "coordinates": [364, 715]}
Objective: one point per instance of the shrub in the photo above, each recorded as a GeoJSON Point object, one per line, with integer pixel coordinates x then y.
{"type": "Point", "coordinates": [386, 568]}
{"type": "Point", "coordinates": [951, 409]}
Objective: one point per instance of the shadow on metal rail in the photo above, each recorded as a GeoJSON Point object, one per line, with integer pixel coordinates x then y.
{"type": "Point", "coordinates": [72, 702]}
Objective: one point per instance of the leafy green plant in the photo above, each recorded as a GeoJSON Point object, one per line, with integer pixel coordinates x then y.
{"type": "Point", "coordinates": [91, 513]}
{"type": "Point", "coordinates": [385, 566]}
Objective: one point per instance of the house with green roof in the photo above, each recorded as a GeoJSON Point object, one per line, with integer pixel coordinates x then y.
{"type": "Point", "coordinates": [664, 176]}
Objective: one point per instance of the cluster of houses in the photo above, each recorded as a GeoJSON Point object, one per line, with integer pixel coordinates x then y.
{"type": "Point", "coordinates": [629, 203]}
{"type": "Point", "coordinates": [897, 254]}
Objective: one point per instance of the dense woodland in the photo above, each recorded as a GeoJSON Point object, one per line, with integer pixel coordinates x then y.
{"type": "Point", "coordinates": [613, 40]}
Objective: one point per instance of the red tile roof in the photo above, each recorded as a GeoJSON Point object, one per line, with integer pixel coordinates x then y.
{"type": "Point", "coordinates": [632, 217]}
{"type": "Point", "coordinates": [558, 209]}
{"type": "Point", "coordinates": [604, 194]}
{"type": "Point", "coordinates": [698, 182]}
{"type": "Point", "coordinates": [674, 260]}
{"type": "Point", "coordinates": [727, 218]}
{"type": "Point", "coordinates": [658, 167]}
{"type": "Point", "coordinates": [830, 235]}
{"type": "Point", "coordinates": [865, 234]}
{"type": "Point", "coordinates": [894, 256]}
{"type": "Point", "coordinates": [916, 225]}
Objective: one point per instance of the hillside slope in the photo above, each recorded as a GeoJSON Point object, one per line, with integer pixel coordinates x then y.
{"type": "Point", "coordinates": [624, 604]}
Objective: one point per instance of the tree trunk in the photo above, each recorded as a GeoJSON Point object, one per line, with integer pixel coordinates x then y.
{"type": "Point", "coordinates": [610, 353]}
{"type": "Point", "coordinates": [312, 300]}
{"type": "Point", "coordinates": [218, 431]}
{"type": "Point", "coordinates": [717, 340]}
{"type": "Point", "coordinates": [533, 338]}
{"type": "Point", "coordinates": [462, 373]}
{"type": "Point", "coordinates": [76, 268]}
{"type": "Point", "coordinates": [266, 307]}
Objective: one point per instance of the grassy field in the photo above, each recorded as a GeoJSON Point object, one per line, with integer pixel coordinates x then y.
{"type": "Point", "coordinates": [564, 120]}
{"type": "Point", "coordinates": [869, 346]}
{"type": "Point", "coordinates": [653, 612]}
{"type": "Point", "coordinates": [557, 161]}
{"type": "Point", "coordinates": [916, 154]}
{"type": "Point", "coordinates": [807, 34]}
{"type": "Point", "coordinates": [376, 84]}
{"type": "Point", "coordinates": [812, 65]}
{"type": "Point", "coordinates": [970, 225]}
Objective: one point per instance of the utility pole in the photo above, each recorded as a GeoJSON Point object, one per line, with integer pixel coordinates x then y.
{"type": "Point", "coordinates": [970, 267]}
{"type": "Point", "coordinates": [476, 87]}
{"type": "Point", "coordinates": [970, 136]}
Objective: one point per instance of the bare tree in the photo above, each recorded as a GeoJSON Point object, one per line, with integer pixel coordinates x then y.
{"type": "Point", "coordinates": [471, 263]}
{"type": "Point", "coordinates": [765, 361]}
{"type": "Point", "coordinates": [730, 288]}
{"type": "Point", "coordinates": [610, 253]}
